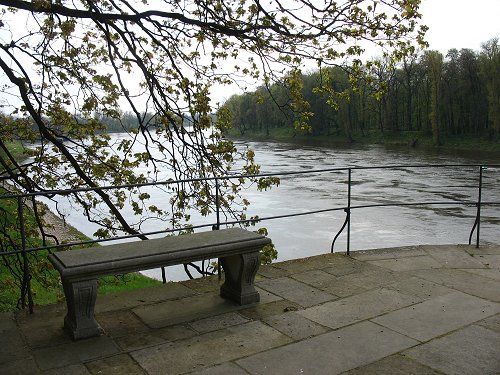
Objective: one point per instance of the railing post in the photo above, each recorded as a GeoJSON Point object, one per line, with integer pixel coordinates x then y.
{"type": "Point", "coordinates": [349, 211]}
{"type": "Point", "coordinates": [26, 285]}
{"type": "Point", "coordinates": [478, 215]}
{"type": "Point", "coordinates": [217, 205]}
{"type": "Point", "coordinates": [217, 226]}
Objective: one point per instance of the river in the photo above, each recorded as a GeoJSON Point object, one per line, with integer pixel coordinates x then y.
{"type": "Point", "coordinates": [381, 227]}
{"type": "Point", "coordinates": [375, 227]}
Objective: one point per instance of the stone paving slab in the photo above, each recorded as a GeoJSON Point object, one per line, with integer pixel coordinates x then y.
{"type": "Point", "coordinates": [41, 330]}
{"type": "Point", "coordinates": [77, 352]}
{"type": "Point", "coordinates": [349, 266]}
{"type": "Point", "coordinates": [329, 283]}
{"type": "Point", "coordinates": [117, 365]}
{"type": "Point", "coordinates": [330, 353]}
{"type": "Point", "coordinates": [7, 322]}
{"type": "Point", "coordinates": [472, 350]}
{"type": "Point", "coordinates": [389, 253]}
{"type": "Point", "coordinates": [271, 272]}
{"type": "Point", "coordinates": [203, 284]}
{"type": "Point", "coordinates": [295, 291]}
{"type": "Point", "coordinates": [484, 249]}
{"type": "Point", "coordinates": [224, 369]}
{"type": "Point", "coordinates": [310, 263]}
{"type": "Point", "coordinates": [267, 297]}
{"type": "Point", "coordinates": [263, 311]}
{"type": "Point", "coordinates": [13, 347]}
{"type": "Point", "coordinates": [420, 288]}
{"type": "Point", "coordinates": [377, 277]}
{"type": "Point", "coordinates": [192, 308]}
{"type": "Point", "coordinates": [120, 323]}
{"type": "Point", "coordinates": [295, 325]}
{"type": "Point", "coordinates": [359, 307]}
{"type": "Point", "coordinates": [154, 337]}
{"type": "Point", "coordinates": [183, 310]}
{"type": "Point", "coordinates": [394, 365]}
{"type": "Point", "coordinates": [139, 297]}
{"type": "Point", "coordinates": [490, 261]}
{"type": "Point", "coordinates": [453, 257]}
{"type": "Point", "coordinates": [489, 273]}
{"type": "Point", "coordinates": [20, 366]}
{"type": "Point", "coordinates": [493, 323]}
{"type": "Point", "coordinates": [407, 263]}
{"type": "Point", "coordinates": [464, 281]}
{"type": "Point", "coordinates": [215, 323]}
{"type": "Point", "coordinates": [78, 369]}
{"type": "Point", "coordinates": [209, 349]}
{"type": "Point", "coordinates": [342, 287]}
{"type": "Point", "coordinates": [315, 278]}
{"type": "Point", "coordinates": [438, 316]}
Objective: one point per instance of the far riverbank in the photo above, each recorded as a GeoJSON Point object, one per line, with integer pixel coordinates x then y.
{"type": "Point", "coordinates": [413, 140]}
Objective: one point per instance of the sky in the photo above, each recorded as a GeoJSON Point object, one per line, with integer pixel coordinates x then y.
{"type": "Point", "coordinates": [460, 23]}
{"type": "Point", "coordinates": [452, 24]}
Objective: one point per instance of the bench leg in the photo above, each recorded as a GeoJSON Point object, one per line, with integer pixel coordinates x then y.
{"type": "Point", "coordinates": [80, 300]}
{"type": "Point", "coordinates": [239, 274]}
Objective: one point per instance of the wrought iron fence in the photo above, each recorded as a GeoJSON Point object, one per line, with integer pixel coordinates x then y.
{"type": "Point", "coordinates": [347, 208]}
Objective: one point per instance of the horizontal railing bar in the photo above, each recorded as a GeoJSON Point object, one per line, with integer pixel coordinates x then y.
{"type": "Point", "coordinates": [397, 166]}
{"type": "Point", "coordinates": [451, 203]}
{"type": "Point", "coordinates": [118, 238]}
{"type": "Point", "coordinates": [50, 193]}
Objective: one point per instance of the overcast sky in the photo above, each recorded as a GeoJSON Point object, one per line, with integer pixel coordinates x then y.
{"type": "Point", "coordinates": [460, 23]}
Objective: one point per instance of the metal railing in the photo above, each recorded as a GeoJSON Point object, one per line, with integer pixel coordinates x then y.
{"type": "Point", "coordinates": [24, 250]}
{"type": "Point", "coordinates": [478, 203]}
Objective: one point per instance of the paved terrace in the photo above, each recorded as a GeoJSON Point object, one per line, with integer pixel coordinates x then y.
{"type": "Point", "coordinates": [414, 310]}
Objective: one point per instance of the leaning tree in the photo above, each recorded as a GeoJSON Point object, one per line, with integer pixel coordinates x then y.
{"type": "Point", "coordinates": [66, 65]}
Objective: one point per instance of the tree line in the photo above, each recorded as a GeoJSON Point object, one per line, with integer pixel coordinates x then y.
{"type": "Point", "coordinates": [120, 122]}
{"type": "Point", "coordinates": [453, 95]}
{"type": "Point", "coordinates": [129, 121]}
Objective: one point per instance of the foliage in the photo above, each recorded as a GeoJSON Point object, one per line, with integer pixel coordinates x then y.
{"type": "Point", "coordinates": [434, 62]}
{"type": "Point", "coordinates": [67, 66]}
{"type": "Point", "coordinates": [13, 264]}
{"type": "Point", "coordinates": [425, 93]}
{"type": "Point", "coordinates": [490, 72]}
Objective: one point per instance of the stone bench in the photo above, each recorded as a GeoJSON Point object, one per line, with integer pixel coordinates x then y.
{"type": "Point", "coordinates": [237, 249]}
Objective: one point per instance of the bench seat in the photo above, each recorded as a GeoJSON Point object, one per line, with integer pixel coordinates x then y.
{"type": "Point", "coordinates": [237, 249]}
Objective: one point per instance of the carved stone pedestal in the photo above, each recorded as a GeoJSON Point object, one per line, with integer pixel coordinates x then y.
{"type": "Point", "coordinates": [80, 300]}
{"type": "Point", "coordinates": [239, 273]}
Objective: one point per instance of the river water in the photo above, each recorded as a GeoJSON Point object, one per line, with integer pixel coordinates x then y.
{"type": "Point", "coordinates": [374, 227]}
{"type": "Point", "coordinates": [370, 227]}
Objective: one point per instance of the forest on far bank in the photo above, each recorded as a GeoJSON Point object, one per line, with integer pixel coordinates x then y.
{"type": "Point", "coordinates": [457, 95]}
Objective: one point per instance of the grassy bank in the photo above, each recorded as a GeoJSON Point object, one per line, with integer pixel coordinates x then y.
{"type": "Point", "coordinates": [16, 148]}
{"type": "Point", "coordinates": [50, 291]}
{"type": "Point", "coordinates": [415, 139]}
{"type": "Point", "coordinates": [46, 287]}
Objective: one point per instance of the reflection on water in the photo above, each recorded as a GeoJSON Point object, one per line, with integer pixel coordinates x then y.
{"type": "Point", "coordinates": [370, 227]}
